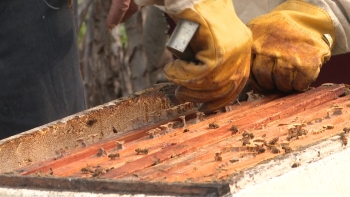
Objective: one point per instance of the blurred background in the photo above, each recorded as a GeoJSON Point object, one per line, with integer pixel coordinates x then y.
{"type": "Point", "coordinates": [128, 59]}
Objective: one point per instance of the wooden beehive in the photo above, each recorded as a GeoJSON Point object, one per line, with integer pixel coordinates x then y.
{"type": "Point", "coordinates": [165, 147]}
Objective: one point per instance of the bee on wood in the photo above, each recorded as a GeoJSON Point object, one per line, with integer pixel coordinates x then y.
{"type": "Point", "coordinates": [120, 145]}
{"type": "Point", "coordinates": [234, 129]}
{"type": "Point", "coordinates": [287, 149]}
{"type": "Point", "coordinates": [273, 141]}
{"type": "Point", "coordinates": [248, 134]}
{"type": "Point", "coordinates": [114, 130]}
{"type": "Point", "coordinates": [344, 139]}
{"type": "Point", "coordinates": [156, 162]}
{"type": "Point", "coordinates": [113, 155]}
{"type": "Point", "coordinates": [218, 156]}
{"type": "Point", "coordinates": [261, 150]}
{"type": "Point", "coordinates": [141, 151]}
{"type": "Point", "coordinates": [234, 160]}
{"type": "Point", "coordinates": [275, 150]}
{"type": "Point", "coordinates": [213, 125]}
{"type": "Point", "coordinates": [296, 164]}
{"type": "Point", "coordinates": [98, 171]}
{"type": "Point", "coordinates": [86, 170]}
{"type": "Point", "coordinates": [245, 142]}
{"type": "Point", "coordinates": [101, 152]}
{"type": "Point", "coordinates": [346, 129]}
{"type": "Point", "coordinates": [186, 130]}
{"type": "Point", "coordinates": [91, 122]}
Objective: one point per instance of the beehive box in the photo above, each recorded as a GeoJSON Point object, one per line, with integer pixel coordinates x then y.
{"type": "Point", "coordinates": [150, 143]}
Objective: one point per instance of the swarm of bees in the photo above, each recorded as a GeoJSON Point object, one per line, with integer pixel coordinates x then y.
{"type": "Point", "coordinates": [296, 131]}
{"type": "Point", "coordinates": [141, 151]}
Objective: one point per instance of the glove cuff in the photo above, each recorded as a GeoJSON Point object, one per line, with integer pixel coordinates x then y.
{"type": "Point", "coordinates": [309, 17]}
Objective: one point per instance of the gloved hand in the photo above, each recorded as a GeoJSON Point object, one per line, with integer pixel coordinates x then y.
{"type": "Point", "coordinates": [120, 11]}
{"type": "Point", "coordinates": [222, 45]}
{"type": "Point", "coordinates": [289, 48]}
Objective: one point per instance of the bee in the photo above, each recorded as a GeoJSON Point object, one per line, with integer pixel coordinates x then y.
{"type": "Point", "coordinates": [91, 122]}
{"type": "Point", "coordinates": [186, 130]}
{"type": "Point", "coordinates": [114, 130]}
{"type": "Point", "coordinates": [234, 129]}
{"type": "Point", "coordinates": [86, 170]}
{"type": "Point", "coordinates": [101, 152]}
{"type": "Point", "coordinates": [98, 171]}
{"type": "Point", "coordinates": [213, 125]}
{"type": "Point", "coordinates": [275, 150]}
{"type": "Point", "coordinates": [141, 151]}
{"type": "Point", "coordinates": [81, 142]}
{"type": "Point", "coordinates": [245, 142]}
{"type": "Point", "coordinates": [273, 141]}
{"type": "Point", "coordinates": [261, 150]}
{"type": "Point", "coordinates": [218, 156]}
{"type": "Point", "coordinates": [248, 134]}
{"type": "Point", "coordinates": [346, 129]}
{"type": "Point", "coordinates": [119, 145]}
{"type": "Point", "coordinates": [51, 171]}
{"type": "Point", "coordinates": [156, 162]}
{"type": "Point", "coordinates": [344, 139]}
{"type": "Point", "coordinates": [296, 164]}
{"type": "Point", "coordinates": [234, 160]}
{"type": "Point", "coordinates": [113, 156]}
{"type": "Point", "coordinates": [287, 149]}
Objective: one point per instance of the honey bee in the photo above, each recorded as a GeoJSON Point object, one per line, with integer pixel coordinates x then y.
{"type": "Point", "coordinates": [287, 149]}
{"type": "Point", "coordinates": [186, 130]}
{"type": "Point", "coordinates": [275, 150]}
{"type": "Point", "coordinates": [141, 151]}
{"type": "Point", "coordinates": [114, 130]}
{"type": "Point", "coordinates": [86, 170]}
{"type": "Point", "coordinates": [248, 134]}
{"type": "Point", "coordinates": [113, 155]}
{"type": "Point", "coordinates": [234, 129]}
{"type": "Point", "coordinates": [101, 152]}
{"type": "Point", "coordinates": [234, 160]}
{"type": "Point", "coordinates": [156, 162]}
{"type": "Point", "coordinates": [261, 150]}
{"type": "Point", "coordinates": [273, 141]}
{"type": "Point", "coordinates": [218, 156]}
{"type": "Point", "coordinates": [91, 122]}
{"type": "Point", "coordinates": [98, 171]}
{"type": "Point", "coordinates": [346, 129]}
{"type": "Point", "coordinates": [344, 139]}
{"type": "Point", "coordinates": [245, 142]}
{"type": "Point", "coordinates": [213, 125]}
{"type": "Point", "coordinates": [296, 164]}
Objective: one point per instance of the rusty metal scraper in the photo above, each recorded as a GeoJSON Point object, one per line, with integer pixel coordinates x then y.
{"type": "Point", "coordinates": [178, 43]}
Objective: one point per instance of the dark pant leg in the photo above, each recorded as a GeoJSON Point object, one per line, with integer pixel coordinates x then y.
{"type": "Point", "coordinates": [40, 80]}
{"type": "Point", "coordinates": [336, 70]}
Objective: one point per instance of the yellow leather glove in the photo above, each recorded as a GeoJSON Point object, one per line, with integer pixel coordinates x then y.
{"type": "Point", "coordinates": [288, 48]}
{"type": "Point", "coordinates": [222, 45]}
